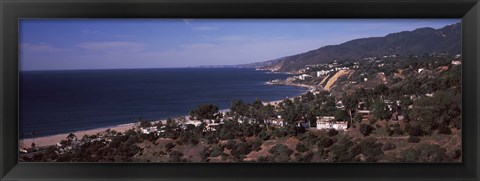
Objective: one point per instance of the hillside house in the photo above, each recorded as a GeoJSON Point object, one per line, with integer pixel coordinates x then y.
{"type": "Point", "coordinates": [149, 130]}
{"type": "Point", "coordinates": [339, 105]}
{"type": "Point", "coordinates": [322, 72]}
{"type": "Point", "coordinates": [275, 122]}
{"type": "Point", "coordinates": [327, 122]}
{"type": "Point", "coordinates": [456, 62]}
{"type": "Point", "coordinates": [304, 76]}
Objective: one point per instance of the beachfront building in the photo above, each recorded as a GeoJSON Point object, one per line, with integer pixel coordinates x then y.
{"type": "Point", "coordinates": [149, 130]}
{"type": "Point", "coordinates": [328, 122]}
{"type": "Point", "coordinates": [304, 76]}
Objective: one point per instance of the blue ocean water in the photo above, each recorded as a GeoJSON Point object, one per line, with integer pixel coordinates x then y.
{"type": "Point", "coordinates": [54, 102]}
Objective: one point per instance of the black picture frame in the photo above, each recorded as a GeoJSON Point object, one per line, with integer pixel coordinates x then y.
{"type": "Point", "coordinates": [12, 10]}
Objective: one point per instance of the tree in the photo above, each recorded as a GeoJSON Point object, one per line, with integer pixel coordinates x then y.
{"type": "Point", "coordinates": [343, 151]}
{"type": "Point", "coordinates": [414, 130]}
{"type": "Point", "coordinates": [238, 108]}
{"type": "Point", "coordinates": [379, 110]}
{"type": "Point", "coordinates": [301, 148]}
{"type": "Point", "coordinates": [341, 115]}
{"type": "Point", "coordinates": [443, 109]}
{"type": "Point", "coordinates": [205, 111]}
{"type": "Point", "coordinates": [425, 153]}
{"type": "Point", "coordinates": [71, 137]}
{"type": "Point", "coordinates": [381, 89]}
{"type": "Point", "coordinates": [281, 153]}
{"type": "Point", "coordinates": [365, 129]}
{"type": "Point", "coordinates": [350, 103]}
{"type": "Point", "coordinates": [328, 108]}
{"type": "Point", "coordinates": [145, 124]}
{"type": "Point", "coordinates": [370, 148]}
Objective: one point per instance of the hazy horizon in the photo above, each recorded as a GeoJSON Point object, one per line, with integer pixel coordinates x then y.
{"type": "Point", "coordinates": [83, 44]}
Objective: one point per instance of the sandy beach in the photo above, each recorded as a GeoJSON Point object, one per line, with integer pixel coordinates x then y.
{"type": "Point", "coordinates": [54, 139]}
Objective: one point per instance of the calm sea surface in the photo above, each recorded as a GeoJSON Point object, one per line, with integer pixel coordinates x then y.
{"type": "Point", "coordinates": [53, 102]}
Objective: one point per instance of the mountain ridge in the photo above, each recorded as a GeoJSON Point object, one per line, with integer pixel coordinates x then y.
{"type": "Point", "coordinates": [416, 42]}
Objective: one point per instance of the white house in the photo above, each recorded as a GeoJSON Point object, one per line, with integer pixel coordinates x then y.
{"type": "Point", "coordinates": [340, 125]}
{"type": "Point", "coordinates": [304, 76]}
{"type": "Point", "coordinates": [194, 122]}
{"type": "Point", "coordinates": [327, 122]}
{"type": "Point", "coordinates": [149, 130]}
{"type": "Point", "coordinates": [322, 72]}
{"type": "Point", "coordinates": [456, 62]}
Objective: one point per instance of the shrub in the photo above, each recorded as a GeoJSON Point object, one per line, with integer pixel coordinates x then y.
{"type": "Point", "coordinates": [263, 159]}
{"type": "Point", "coordinates": [413, 139]}
{"type": "Point", "coordinates": [145, 124]}
{"type": "Point", "coordinates": [343, 151]}
{"type": "Point", "coordinates": [332, 132]}
{"type": "Point", "coordinates": [169, 146]}
{"type": "Point", "coordinates": [444, 130]}
{"type": "Point", "coordinates": [414, 130]}
{"type": "Point", "coordinates": [241, 150]}
{"type": "Point", "coordinates": [231, 145]}
{"type": "Point", "coordinates": [301, 148]}
{"type": "Point", "coordinates": [425, 153]}
{"type": "Point", "coordinates": [216, 151]}
{"type": "Point", "coordinates": [256, 144]}
{"type": "Point", "coordinates": [263, 135]}
{"type": "Point", "coordinates": [193, 140]}
{"type": "Point", "coordinates": [325, 142]}
{"type": "Point", "coordinates": [370, 148]}
{"type": "Point", "coordinates": [281, 153]}
{"type": "Point", "coordinates": [389, 146]}
{"type": "Point", "coordinates": [365, 129]}
{"type": "Point", "coordinates": [175, 156]}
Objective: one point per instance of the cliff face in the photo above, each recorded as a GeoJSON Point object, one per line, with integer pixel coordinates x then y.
{"type": "Point", "coordinates": [417, 42]}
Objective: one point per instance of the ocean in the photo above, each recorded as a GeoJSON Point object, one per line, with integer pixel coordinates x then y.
{"type": "Point", "coordinates": [63, 101]}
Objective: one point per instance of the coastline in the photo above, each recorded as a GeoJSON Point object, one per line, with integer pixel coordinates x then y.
{"type": "Point", "coordinates": [54, 139]}
{"type": "Point", "coordinates": [50, 140]}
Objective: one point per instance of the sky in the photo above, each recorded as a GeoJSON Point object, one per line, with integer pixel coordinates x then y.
{"type": "Point", "coordinates": [65, 44]}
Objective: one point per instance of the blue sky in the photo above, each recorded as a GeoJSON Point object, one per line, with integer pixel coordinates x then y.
{"type": "Point", "coordinates": [55, 44]}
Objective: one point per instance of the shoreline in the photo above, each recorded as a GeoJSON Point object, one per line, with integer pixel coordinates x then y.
{"type": "Point", "coordinates": [50, 140]}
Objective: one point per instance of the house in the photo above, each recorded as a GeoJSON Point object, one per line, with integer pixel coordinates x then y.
{"type": "Point", "coordinates": [212, 126]}
{"type": "Point", "coordinates": [149, 130]}
{"type": "Point", "coordinates": [304, 124]}
{"type": "Point", "coordinates": [341, 125]}
{"type": "Point", "coordinates": [322, 72]}
{"type": "Point", "coordinates": [456, 62]}
{"type": "Point", "coordinates": [276, 122]}
{"type": "Point", "coordinates": [339, 105]}
{"type": "Point", "coordinates": [304, 76]}
{"type": "Point", "coordinates": [195, 123]}
{"type": "Point", "coordinates": [327, 122]}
